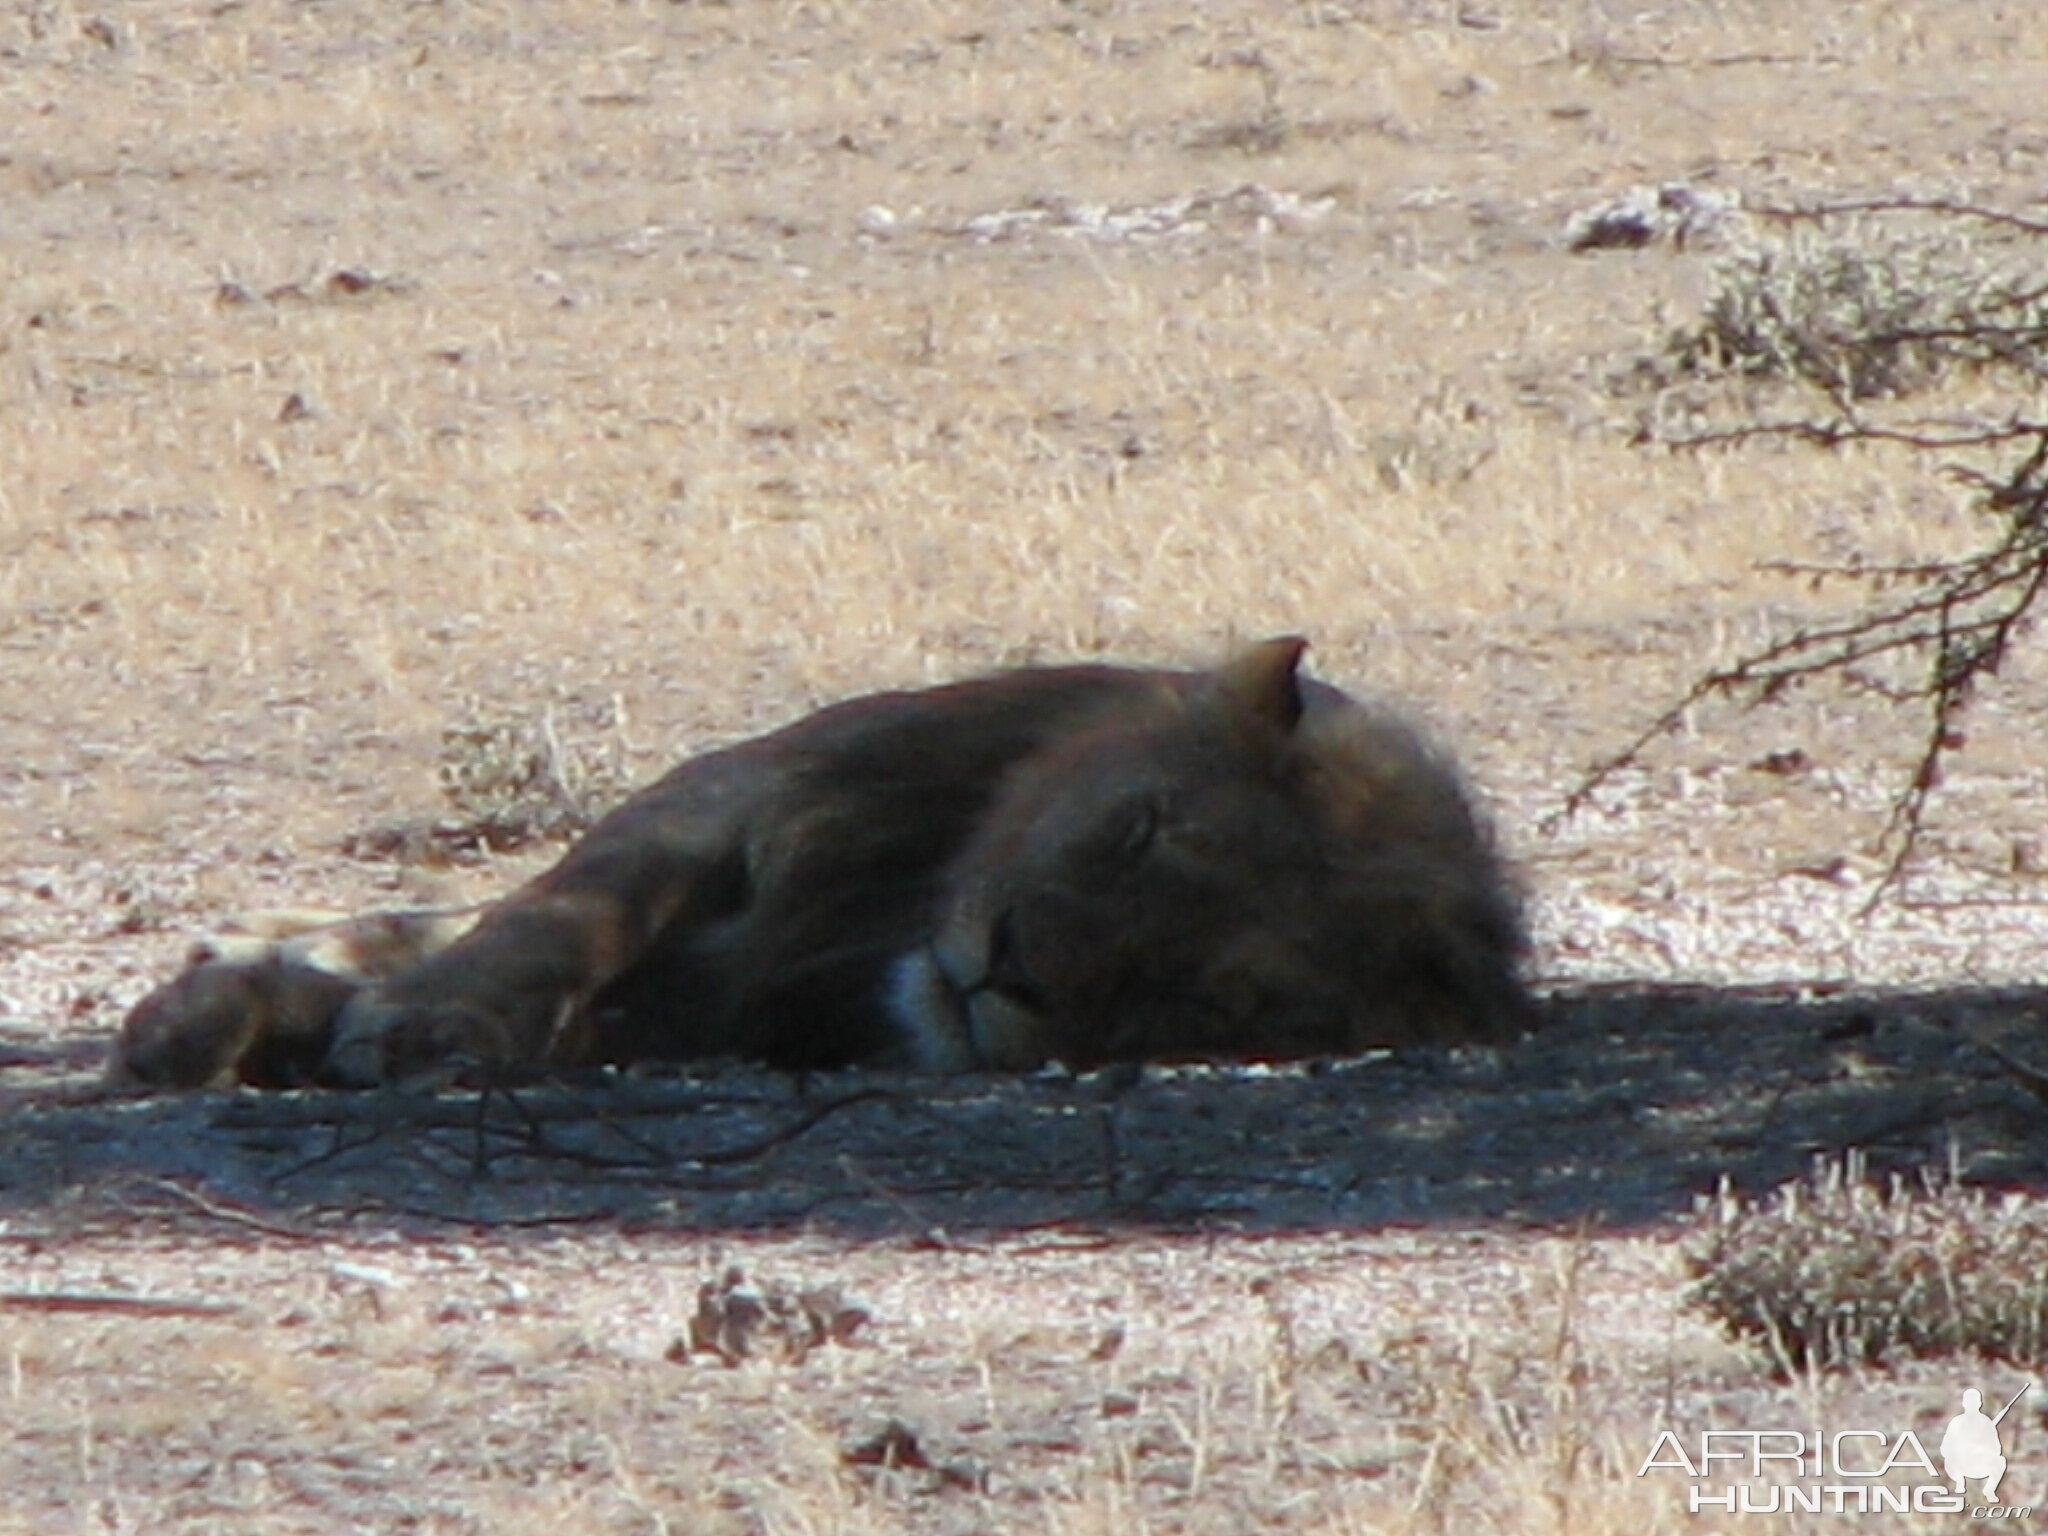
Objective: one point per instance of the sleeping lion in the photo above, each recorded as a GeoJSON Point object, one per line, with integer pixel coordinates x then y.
{"type": "Point", "coordinates": [1083, 864]}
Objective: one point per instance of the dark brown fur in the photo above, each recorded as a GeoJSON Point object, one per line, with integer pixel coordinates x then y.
{"type": "Point", "coordinates": [1085, 864]}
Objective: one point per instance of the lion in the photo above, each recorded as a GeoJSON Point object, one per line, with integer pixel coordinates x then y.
{"type": "Point", "coordinates": [1085, 865]}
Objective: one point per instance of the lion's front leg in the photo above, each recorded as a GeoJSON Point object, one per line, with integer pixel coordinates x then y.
{"type": "Point", "coordinates": [513, 993]}
{"type": "Point", "coordinates": [500, 998]}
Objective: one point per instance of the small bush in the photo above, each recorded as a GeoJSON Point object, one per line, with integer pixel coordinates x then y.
{"type": "Point", "coordinates": [1860, 320]}
{"type": "Point", "coordinates": [1834, 1270]}
{"type": "Point", "coordinates": [512, 782]}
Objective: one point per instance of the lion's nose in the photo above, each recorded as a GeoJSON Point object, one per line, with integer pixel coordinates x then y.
{"type": "Point", "coordinates": [1005, 971]}
{"type": "Point", "coordinates": [987, 957]}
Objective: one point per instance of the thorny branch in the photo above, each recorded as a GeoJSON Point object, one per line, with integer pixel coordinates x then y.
{"type": "Point", "coordinates": [1848, 428]}
{"type": "Point", "coordinates": [1962, 617]}
{"type": "Point", "coordinates": [1947, 207]}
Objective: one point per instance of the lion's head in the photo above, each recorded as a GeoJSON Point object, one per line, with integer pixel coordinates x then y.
{"type": "Point", "coordinates": [1249, 865]}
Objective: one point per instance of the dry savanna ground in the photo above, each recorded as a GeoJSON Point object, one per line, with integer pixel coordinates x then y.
{"type": "Point", "coordinates": [659, 370]}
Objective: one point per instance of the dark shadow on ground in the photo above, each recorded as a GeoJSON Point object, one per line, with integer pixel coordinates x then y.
{"type": "Point", "coordinates": [1628, 1104]}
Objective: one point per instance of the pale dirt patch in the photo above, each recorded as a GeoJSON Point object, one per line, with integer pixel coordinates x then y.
{"type": "Point", "coordinates": [367, 370]}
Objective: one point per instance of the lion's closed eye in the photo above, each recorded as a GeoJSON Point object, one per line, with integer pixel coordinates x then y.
{"type": "Point", "coordinates": [1132, 829]}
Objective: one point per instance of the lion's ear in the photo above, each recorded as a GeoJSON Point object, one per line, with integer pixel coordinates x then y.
{"type": "Point", "coordinates": [1261, 681]}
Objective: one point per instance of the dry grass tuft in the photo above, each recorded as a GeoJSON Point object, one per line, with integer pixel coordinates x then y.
{"type": "Point", "coordinates": [513, 783]}
{"type": "Point", "coordinates": [516, 781]}
{"type": "Point", "coordinates": [1840, 1270]}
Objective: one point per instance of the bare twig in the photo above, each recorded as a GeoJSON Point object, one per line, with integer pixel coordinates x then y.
{"type": "Point", "coordinates": [1814, 213]}
{"type": "Point", "coordinates": [1719, 60]}
{"type": "Point", "coordinates": [1817, 572]}
{"type": "Point", "coordinates": [117, 1301]}
{"type": "Point", "coordinates": [1834, 433]}
{"type": "Point", "coordinates": [516, 1122]}
{"type": "Point", "coordinates": [1961, 617]}
{"type": "Point", "coordinates": [556, 1100]}
{"type": "Point", "coordinates": [2029, 1077]}
{"type": "Point", "coordinates": [747, 1151]}
{"type": "Point", "coordinates": [340, 1144]}
{"type": "Point", "coordinates": [217, 1211]}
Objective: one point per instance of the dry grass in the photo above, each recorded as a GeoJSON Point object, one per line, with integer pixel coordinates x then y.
{"type": "Point", "coordinates": [1208, 1386]}
{"type": "Point", "coordinates": [638, 406]}
{"type": "Point", "coordinates": [365, 366]}
{"type": "Point", "coordinates": [1415, 1383]}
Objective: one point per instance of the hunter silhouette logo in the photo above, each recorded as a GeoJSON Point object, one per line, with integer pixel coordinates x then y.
{"type": "Point", "coordinates": [1971, 1448]}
